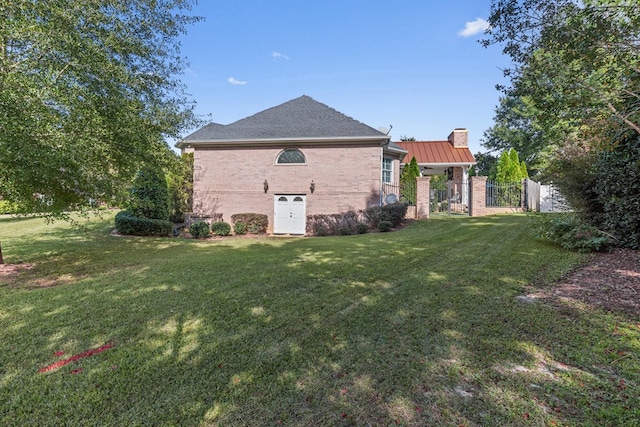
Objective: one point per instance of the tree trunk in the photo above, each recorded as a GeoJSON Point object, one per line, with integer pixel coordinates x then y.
{"type": "Point", "coordinates": [1, 261]}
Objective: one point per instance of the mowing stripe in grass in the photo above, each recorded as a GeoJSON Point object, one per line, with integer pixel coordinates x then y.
{"type": "Point", "coordinates": [416, 327]}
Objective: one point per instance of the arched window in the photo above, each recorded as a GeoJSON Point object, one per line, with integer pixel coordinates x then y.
{"type": "Point", "coordinates": [291, 155]}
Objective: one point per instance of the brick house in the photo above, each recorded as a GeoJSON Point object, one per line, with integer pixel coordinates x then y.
{"type": "Point", "coordinates": [289, 161]}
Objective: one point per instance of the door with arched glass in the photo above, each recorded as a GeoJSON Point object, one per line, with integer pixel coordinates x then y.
{"type": "Point", "coordinates": [289, 214]}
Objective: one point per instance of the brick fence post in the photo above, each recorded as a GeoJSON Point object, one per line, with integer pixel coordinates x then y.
{"type": "Point", "coordinates": [423, 196]}
{"type": "Point", "coordinates": [477, 196]}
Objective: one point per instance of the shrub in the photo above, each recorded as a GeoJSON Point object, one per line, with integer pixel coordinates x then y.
{"type": "Point", "coordinates": [334, 224]}
{"type": "Point", "coordinates": [128, 223]}
{"type": "Point", "coordinates": [7, 207]}
{"type": "Point", "coordinates": [602, 185]}
{"type": "Point", "coordinates": [618, 189]}
{"type": "Point", "coordinates": [393, 213]}
{"type": "Point", "coordinates": [353, 222]}
{"type": "Point", "coordinates": [180, 187]}
{"type": "Point", "coordinates": [254, 223]}
{"type": "Point", "coordinates": [220, 228]}
{"type": "Point", "coordinates": [200, 230]}
{"type": "Point", "coordinates": [239, 228]}
{"type": "Point", "coordinates": [384, 226]}
{"type": "Point", "coordinates": [362, 228]}
{"type": "Point", "coordinates": [569, 232]}
{"type": "Point", "coordinates": [372, 216]}
{"type": "Point", "coordinates": [149, 195]}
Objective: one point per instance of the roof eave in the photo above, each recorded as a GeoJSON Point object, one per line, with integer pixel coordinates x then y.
{"type": "Point", "coordinates": [398, 150]}
{"type": "Point", "coordinates": [448, 164]}
{"type": "Point", "coordinates": [273, 141]}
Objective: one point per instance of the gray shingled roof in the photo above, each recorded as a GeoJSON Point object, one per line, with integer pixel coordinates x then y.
{"type": "Point", "coordinates": [302, 117]}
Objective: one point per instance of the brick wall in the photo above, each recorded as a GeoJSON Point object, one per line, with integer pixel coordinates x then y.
{"type": "Point", "coordinates": [230, 181]}
{"type": "Point", "coordinates": [423, 196]}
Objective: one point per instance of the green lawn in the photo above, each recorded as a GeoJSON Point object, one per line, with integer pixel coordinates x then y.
{"type": "Point", "coordinates": [417, 327]}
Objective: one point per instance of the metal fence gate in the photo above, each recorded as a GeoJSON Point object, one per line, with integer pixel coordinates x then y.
{"type": "Point", "coordinates": [449, 198]}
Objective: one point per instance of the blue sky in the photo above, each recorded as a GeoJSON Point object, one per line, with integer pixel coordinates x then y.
{"type": "Point", "coordinates": [412, 64]}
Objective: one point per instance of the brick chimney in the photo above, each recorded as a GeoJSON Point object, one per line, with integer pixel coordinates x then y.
{"type": "Point", "coordinates": [459, 138]}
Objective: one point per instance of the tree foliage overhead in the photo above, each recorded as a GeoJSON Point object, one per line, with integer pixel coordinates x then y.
{"type": "Point", "coordinates": [576, 61]}
{"type": "Point", "coordinates": [88, 92]}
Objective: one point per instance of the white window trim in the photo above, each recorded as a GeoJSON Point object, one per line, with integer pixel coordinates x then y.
{"type": "Point", "coordinates": [390, 170]}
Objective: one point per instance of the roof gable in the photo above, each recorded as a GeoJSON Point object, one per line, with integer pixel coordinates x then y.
{"type": "Point", "coordinates": [204, 131]}
{"type": "Point", "coordinates": [436, 152]}
{"type": "Point", "coordinates": [300, 118]}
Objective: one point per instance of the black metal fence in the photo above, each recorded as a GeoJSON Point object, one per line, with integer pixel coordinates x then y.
{"type": "Point", "coordinates": [504, 195]}
{"type": "Point", "coordinates": [449, 198]}
{"type": "Point", "coordinates": [405, 192]}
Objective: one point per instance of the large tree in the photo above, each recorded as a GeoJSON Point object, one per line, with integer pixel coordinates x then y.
{"type": "Point", "coordinates": [577, 62]}
{"type": "Point", "coordinates": [516, 127]}
{"type": "Point", "coordinates": [89, 90]}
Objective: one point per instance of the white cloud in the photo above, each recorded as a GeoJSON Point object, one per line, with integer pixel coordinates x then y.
{"type": "Point", "coordinates": [233, 81]}
{"type": "Point", "coordinates": [277, 56]}
{"type": "Point", "coordinates": [474, 27]}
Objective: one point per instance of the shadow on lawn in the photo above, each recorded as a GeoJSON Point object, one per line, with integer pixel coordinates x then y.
{"type": "Point", "coordinates": [419, 327]}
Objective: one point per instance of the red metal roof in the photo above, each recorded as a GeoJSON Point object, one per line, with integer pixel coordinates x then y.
{"type": "Point", "coordinates": [436, 152]}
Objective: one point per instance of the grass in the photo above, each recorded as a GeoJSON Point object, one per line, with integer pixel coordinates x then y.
{"type": "Point", "coordinates": [416, 327]}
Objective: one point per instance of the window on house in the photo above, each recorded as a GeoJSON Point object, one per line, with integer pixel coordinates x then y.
{"type": "Point", "coordinates": [291, 155]}
{"type": "Point", "coordinates": [387, 169]}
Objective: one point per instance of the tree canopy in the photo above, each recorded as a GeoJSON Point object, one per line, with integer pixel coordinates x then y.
{"type": "Point", "coordinates": [577, 62]}
{"type": "Point", "coordinates": [89, 91]}
{"type": "Point", "coordinates": [516, 127]}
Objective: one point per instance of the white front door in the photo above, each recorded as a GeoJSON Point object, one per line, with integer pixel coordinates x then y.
{"type": "Point", "coordinates": [289, 214]}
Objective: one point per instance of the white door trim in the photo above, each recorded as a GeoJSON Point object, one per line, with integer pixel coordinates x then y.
{"type": "Point", "coordinates": [289, 213]}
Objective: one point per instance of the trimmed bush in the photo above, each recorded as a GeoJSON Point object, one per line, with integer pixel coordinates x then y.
{"type": "Point", "coordinates": [393, 213]}
{"type": "Point", "coordinates": [200, 230]}
{"type": "Point", "coordinates": [254, 223]}
{"type": "Point", "coordinates": [239, 228]}
{"type": "Point", "coordinates": [362, 228]}
{"type": "Point", "coordinates": [341, 224]}
{"type": "Point", "coordinates": [150, 195]}
{"type": "Point", "coordinates": [127, 223]}
{"type": "Point", "coordinates": [385, 226]}
{"type": "Point", "coordinates": [220, 228]}
{"type": "Point", "coordinates": [353, 222]}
